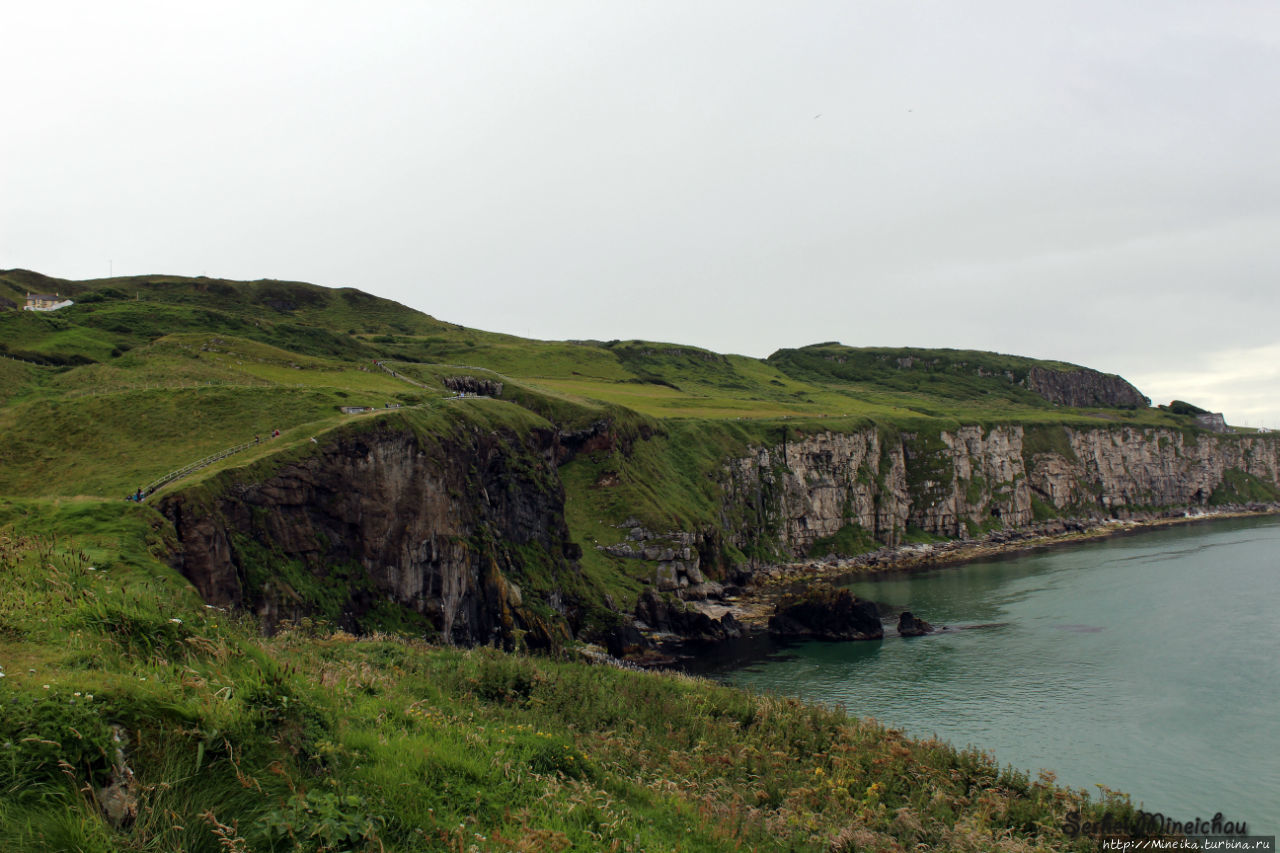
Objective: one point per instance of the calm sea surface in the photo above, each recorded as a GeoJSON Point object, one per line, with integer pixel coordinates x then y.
{"type": "Point", "coordinates": [1148, 663]}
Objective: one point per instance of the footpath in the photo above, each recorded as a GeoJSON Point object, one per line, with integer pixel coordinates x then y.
{"type": "Point", "coordinates": [187, 470]}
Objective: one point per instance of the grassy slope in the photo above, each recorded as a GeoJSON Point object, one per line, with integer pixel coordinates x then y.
{"type": "Point", "coordinates": [315, 740]}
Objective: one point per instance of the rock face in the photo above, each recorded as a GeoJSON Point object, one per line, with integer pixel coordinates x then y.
{"type": "Point", "coordinates": [909, 625]}
{"type": "Point", "coordinates": [808, 489]}
{"type": "Point", "coordinates": [625, 640]}
{"type": "Point", "coordinates": [473, 385]}
{"type": "Point", "coordinates": [449, 526]}
{"type": "Point", "coordinates": [794, 495]}
{"type": "Point", "coordinates": [1085, 389]}
{"type": "Point", "coordinates": [671, 616]}
{"type": "Point", "coordinates": [463, 523]}
{"type": "Point", "coordinates": [828, 614]}
{"type": "Point", "coordinates": [1212, 421]}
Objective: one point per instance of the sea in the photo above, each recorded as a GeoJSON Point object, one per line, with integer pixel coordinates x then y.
{"type": "Point", "coordinates": [1148, 663]}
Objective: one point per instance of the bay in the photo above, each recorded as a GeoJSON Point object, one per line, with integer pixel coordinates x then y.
{"type": "Point", "coordinates": [1148, 663]}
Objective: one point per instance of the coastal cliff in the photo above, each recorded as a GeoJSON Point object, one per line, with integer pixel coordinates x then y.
{"type": "Point", "coordinates": [461, 531]}
{"type": "Point", "coordinates": [954, 483]}
{"type": "Point", "coordinates": [463, 528]}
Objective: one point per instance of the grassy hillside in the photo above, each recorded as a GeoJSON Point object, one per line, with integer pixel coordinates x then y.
{"type": "Point", "coordinates": [315, 740]}
{"type": "Point", "coordinates": [145, 374]}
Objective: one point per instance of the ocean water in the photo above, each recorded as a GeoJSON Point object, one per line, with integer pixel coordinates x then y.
{"type": "Point", "coordinates": [1148, 663]}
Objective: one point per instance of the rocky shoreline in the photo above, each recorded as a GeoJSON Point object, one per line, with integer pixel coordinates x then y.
{"type": "Point", "coordinates": [748, 605]}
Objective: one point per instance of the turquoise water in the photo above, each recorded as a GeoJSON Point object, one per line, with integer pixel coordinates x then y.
{"type": "Point", "coordinates": [1149, 663]}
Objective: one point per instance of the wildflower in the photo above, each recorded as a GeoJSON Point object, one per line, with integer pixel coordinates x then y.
{"type": "Point", "coordinates": [46, 687]}
{"type": "Point", "coordinates": [77, 693]}
{"type": "Point", "coordinates": [176, 621]}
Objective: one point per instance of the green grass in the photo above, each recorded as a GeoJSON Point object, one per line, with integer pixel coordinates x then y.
{"type": "Point", "coordinates": [1240, 487]}
{"type": "Point", "coordinates": [108, 445]}
{"type": "Point", "coordinates": [848, 541]}
{"type": "Point", "coordinates": [140, 327]}
{"type": "Point", "coordinates": [317, 740]}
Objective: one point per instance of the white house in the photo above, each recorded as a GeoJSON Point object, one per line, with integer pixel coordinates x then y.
{"type": "Point", "coordinates": [46, 302]}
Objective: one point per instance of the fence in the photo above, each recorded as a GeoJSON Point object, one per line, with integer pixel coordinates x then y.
{"type": "Point", "coordinates": [402, 377]}
{"type": "Point", "coordinates": [187, 470]}
{"type": "Point", "coordinates": [195, 466]}
{"type": "Point", "coordinates": [24, 360]}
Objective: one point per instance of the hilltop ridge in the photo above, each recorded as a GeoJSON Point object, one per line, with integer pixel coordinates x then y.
{"type": "Point", "coordinates": [113, 316]}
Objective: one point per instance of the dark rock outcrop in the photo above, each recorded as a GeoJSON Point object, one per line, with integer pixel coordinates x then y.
{"type": "Point", "coordinates": [598, 436]}
{"type": "Point", "coordinates": [828, 614]}
{"type": "Point", "coordinates": [672, 616]}
{"type": "Point", "coordinates": [473, 385]}
{"type": "Point", "coordinates": [911, 626]}
{"type": "Point", "coordinates": [449, 526]}
{"type": "Point", "coordinates": [1085, 388]}
{"type": "Point", "coordinates": [625, 640]}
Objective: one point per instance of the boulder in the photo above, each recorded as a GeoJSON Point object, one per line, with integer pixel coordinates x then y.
{"type": "Point", "coordinates": [667, 577]}
{"type": "Point", "coordinates": [910, 626]}
{"type": "Point", "coordinates": [698, 591]}
{"type": "Point", "coordinates": [624, 640]}
{"type": "Point", "coordinates": [828, 614]}
{"type": "Point", "coordinates": [671, 616]}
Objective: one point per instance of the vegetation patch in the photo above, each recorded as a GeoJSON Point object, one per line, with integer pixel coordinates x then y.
{"type": "Point", "coordinates": [1238, 487]}
{"type": "Point", "coordinates": [849, 540]}
{"type": "Point", "coordinates": [1046, 438]}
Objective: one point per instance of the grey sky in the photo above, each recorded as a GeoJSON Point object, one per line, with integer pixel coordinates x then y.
{"type": "Point", "coordinates": [1086, 181]}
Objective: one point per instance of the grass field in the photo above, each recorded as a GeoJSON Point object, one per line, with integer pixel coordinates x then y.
{"type": "Point", "coordinates": [151, 372]}
{"type": "Point", "coordinates": [315, 740]}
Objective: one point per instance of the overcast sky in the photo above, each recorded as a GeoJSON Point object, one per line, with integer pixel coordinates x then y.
{"type": "Point", "coordinates": [1085, 181]}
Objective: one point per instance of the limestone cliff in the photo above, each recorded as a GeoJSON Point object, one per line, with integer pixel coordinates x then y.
{"type": "Point", "coordinates": [962, 481]}
{"type": "Point", "coordinates": [463, 527]}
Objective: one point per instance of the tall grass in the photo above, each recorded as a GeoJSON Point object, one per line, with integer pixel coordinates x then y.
{"type": "Point", "coordinates": [314, 740]}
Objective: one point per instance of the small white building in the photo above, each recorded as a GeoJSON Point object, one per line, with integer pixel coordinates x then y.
{"type": "Point", "coordinates": [46, 302]}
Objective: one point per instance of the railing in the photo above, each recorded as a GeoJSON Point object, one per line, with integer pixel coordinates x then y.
{"type": "Point", "coordinates": [187, 470]}
{"type": "Point", "coordinates": [148, 489]}
{"type": "Point", "coordinates": [402, 377]}
{"type": "Point", "coordinates": [24, 360]}
{"type": "Point", "coordinates": [456, 396]}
